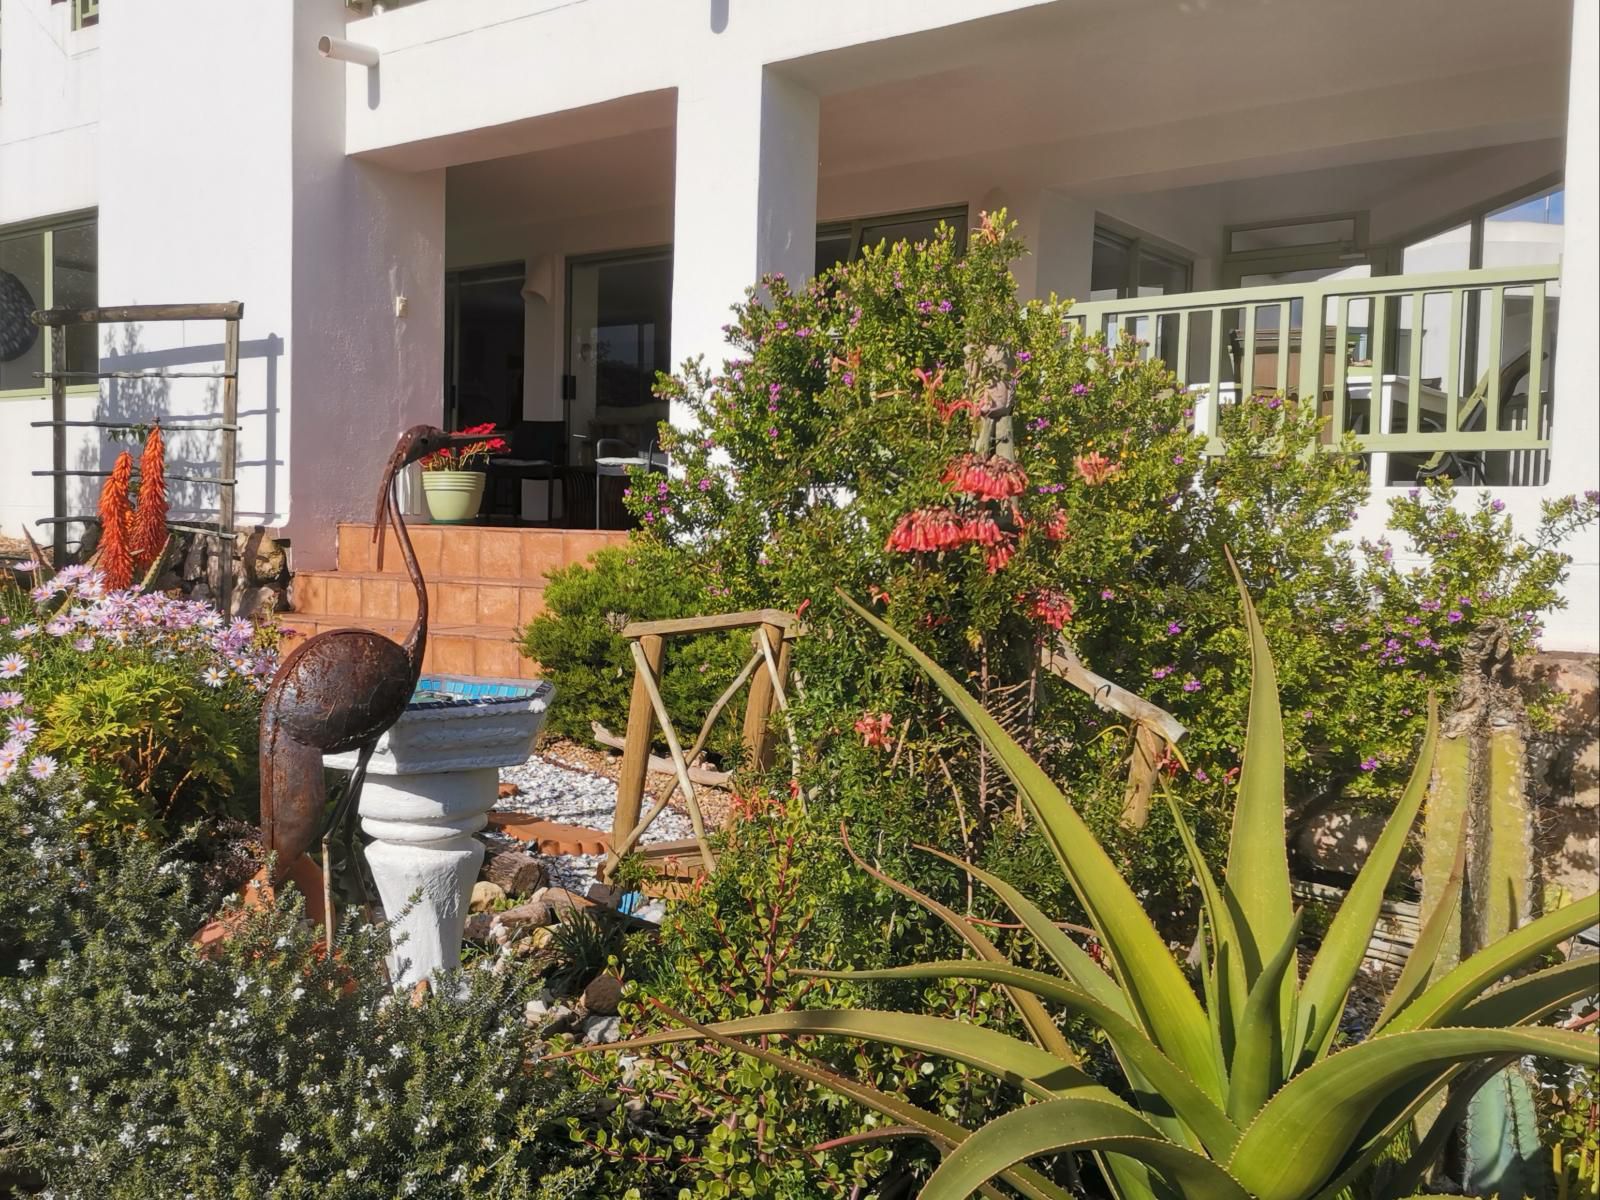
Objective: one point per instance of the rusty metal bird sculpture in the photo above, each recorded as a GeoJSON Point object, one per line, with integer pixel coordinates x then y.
{"type": "Point", "coordinates": [340, 691]}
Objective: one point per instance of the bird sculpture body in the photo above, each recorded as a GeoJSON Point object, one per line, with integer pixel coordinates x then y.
{"type": "Point", "coordinates": [341, 690]}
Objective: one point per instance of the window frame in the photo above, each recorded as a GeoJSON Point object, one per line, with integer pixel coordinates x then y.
{"type": "Point", "coordinates": [957, 215]}
{"type": "Point", "coordinates": [1136, 244]}
{"type": "Point", "coordinates": [49, 227]}
{"type": "Point", "coordinates": [1476, 216]}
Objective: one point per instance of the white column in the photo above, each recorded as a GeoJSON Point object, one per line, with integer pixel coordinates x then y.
{"type": "Point", "coordinates": [745, 198]}
{"type": "Point", "coordinates": [242, 191]}
{"type": "Point", "coordinates": [1575, 453]}
{"type": "Point", "coordinates": [1063, 246]}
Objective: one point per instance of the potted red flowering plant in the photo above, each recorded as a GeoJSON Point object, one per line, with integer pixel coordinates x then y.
{"type": "Point", "coordinates": [452, 478]}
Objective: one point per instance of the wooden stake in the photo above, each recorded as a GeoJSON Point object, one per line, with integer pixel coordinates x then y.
{"type": "Point", "coordinates": [636, 750]}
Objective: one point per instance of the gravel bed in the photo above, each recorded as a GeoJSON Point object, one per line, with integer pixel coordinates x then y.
{"type": "Point", "coordinates": [573, 795]}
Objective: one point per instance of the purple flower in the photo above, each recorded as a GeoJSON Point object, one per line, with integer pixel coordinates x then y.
{"type": "Point", "coordinates": [1162, 672]}
{"type": "Point", "coordinates": [1107, 594]}
{"type": "Point", "coordinates": [1174, 628]}
{"type": "Point", "coordinates": [42, 767]}
{"type": "Point", "coordinates": [945, 306]}
{"type": "Point", "coordinates": [83, 645]}
{"type": "Point", "coordinates": [1369, 764]}
{"type": "Point", "coordinates": [1200, 774]}
{"type": "Point", "coordinates": [849, 378]}
{"type": "Point", "coordinates": [1497, 506]}
{"type": "Point", "coordinates": [1177, 460]}
{"type": "Point", "coordinates": [22, 729]}
{"type": "Point", "coordinates": [12, 665]}
{"type": "Point", "coordinates": [1275, 402]}
{"type": "Point", "coordinates": [1024, 356]}
{"type": "Point", "coordinates": [1038, 424]}
{"type": "Point", "coordinates": [705, 485]}
{"type": "Point", "coordinates": [1191, 685]}
{"type": "Point", "coordinates": [924, 306]}
{"type": "Point", "coordinates": [1453, 615]}
{"type": "Point", "coordinates": [10, 700]}
{"type": "Point", "coordinates": [773, 432]}
{"type": "Point", "coordinates": [1080, 389]}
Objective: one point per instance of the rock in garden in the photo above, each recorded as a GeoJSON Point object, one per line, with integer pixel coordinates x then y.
{"type": "Point", "coordinates": [597, 1030]}
{"type": "Point", "coordinates": [603, 995]}
{"type": "Point", "coordinates": [478, 927]}
{"type": "Point", "coordinates": [517, 873]}
{"type": "Point", "coordinates": [528, 915]}
{"type": "Point", "coordinates": [485, 895]}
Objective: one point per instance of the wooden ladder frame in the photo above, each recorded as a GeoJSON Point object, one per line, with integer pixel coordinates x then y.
{"type": "Point", "coordinates": [772, 635]}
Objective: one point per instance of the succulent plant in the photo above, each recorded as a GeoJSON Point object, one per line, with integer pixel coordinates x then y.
{"type": "Point", "coordinates": [1238, 1091]}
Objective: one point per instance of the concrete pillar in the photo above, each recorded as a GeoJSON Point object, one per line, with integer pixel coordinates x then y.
{"type": "Point", "coordinates": [745, 198]}
{"type": "Point", "coordinates": [242, 191]}
{"type": "Point", "coordinates": [1575, 454]}
{"type": "Point", "coordinates": [1063, 247]}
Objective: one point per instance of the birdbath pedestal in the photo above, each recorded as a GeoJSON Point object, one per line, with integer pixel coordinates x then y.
{"type": "Point", "coordinates": [430, 785]}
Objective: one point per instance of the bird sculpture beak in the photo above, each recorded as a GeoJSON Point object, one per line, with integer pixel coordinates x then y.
{"type": "Point", "coordinates": [399, 460]}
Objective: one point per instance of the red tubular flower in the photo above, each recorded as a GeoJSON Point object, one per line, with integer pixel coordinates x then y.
{"type": "Point", "coordinates": [1055, 526]}
{"type": "Point", "coordinates": [1051, 607]}
{"type": "Point", "coordinates": [926, 529]}
{"type": "Point", "coordinates": [876, 731]}
{"type": "Point", "coordinates": [150, 519]}
{"type": "Point", "coordinates": [983, 530]}
{"type": "Point", "coordinates": [998, 556]}
{"type": "Point", "coordinates": [1096, 468]}
{"type": "Point", "coordinates": [116, 564]}
{"type": "Point", "coordinates": [986, 478]}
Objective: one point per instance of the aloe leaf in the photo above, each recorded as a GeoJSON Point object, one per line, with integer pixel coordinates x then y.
{"type": "Point", "coordinates": [1230, 986]}
{"type": "Point", "coordinates": [1155, 985]}
{"type": "Point", "coordinates": [1073, 961]}
{"type": "Point", "coordinates": [1074, 1124]}
{"type": "Point", "coordinates": [1303, 1133]}
{"type": "Point", "coordinates": [1033, 1014]}
{"type": "Point", "coordinates": [1257, 878]}
{"type": "Point", "coordinates": [1171, 1086]}
{"type": "Point", "coordinates": [1258, 1057]}
{"type": "Point", "coordinates": [943, 1132]}
{"type": "Point", "coordinates": [1409, 1173]}
{"type": "Point", "coordinates": [1327, 982]}
{"type": "Point", "coordinates": [1443, 920]}
{"type": "Point", "coordinates": [1037, 1072]}
{"type": "Point", "coordinates": [1459, 987]}
{"type": "Point", "coordinates": [1525, 1000]}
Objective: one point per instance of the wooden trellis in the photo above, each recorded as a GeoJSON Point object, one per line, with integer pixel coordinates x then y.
{"type": "Point", "coordinates": [766, 671]}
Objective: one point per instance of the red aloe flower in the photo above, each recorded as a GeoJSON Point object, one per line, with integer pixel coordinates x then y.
{"type": "Point", "coordinates": [150, 519]}
{"type": "Point", "coordinates": [116, 564]}
{"type": "Point", "coordinates": [983, 530]}
{"type": "Point", "coordinates": [1096, 468]}
{"type": "Point", "coordinates": [998, 556]}
{"type": "Point", "coordinates": [991, 478]}
{"type": "Point", "coordinates": [1055, 526]}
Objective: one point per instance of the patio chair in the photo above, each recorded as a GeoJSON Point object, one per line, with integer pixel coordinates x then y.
{"type": "Point", "coordinates": [614, 458]}
{"type": "Point", "coordinates": [535, 448]}
{"type": "Point", "coordinates": [1468, 466]}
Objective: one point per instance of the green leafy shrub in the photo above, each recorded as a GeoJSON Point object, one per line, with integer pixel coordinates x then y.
{"type": "Point", "coordinates": [579, 643]}
{"type": "Point", "coordinates": [153, 702]}
{"type": "Point", "coordinates": [132, 1065]}
{"type": "Point", "coordinates": [1240, 1094]}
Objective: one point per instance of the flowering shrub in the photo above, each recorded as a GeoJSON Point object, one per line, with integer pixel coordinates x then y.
{"type": "Point", "coordinates": [132, 1065]}
{"type": "Point", "coordinates": [853, 441]}
{"type": "Point", "coordinates": [464, 458]}
{"type": "Point", "coordinates": [150, 700]}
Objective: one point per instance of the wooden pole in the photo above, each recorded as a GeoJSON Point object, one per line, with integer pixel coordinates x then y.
{"type": "Point", "coordinates": [58, 446]}
{"type": "Point", "coordinates": [636, 750]}
{"type": "Point", "coordinates": [229, 486]}
{"type": "Point", "coordinates": [758, 710]}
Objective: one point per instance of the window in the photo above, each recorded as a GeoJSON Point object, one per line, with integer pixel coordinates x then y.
{"type": "Point", "coordinates": [1526, 232]}
{"type": "Point", "coordinates": [55, 265]}
{"type": "Point", "coordinates": [1127, 265]}
{"type": "Point", "coordinates": [844, 240]}
{"type": "Point", "coordinates": [84, 12]}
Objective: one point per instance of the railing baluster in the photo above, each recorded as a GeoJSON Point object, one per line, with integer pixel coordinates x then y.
{"type": "Point", "coordinates": [1247, 359]}
{"type": "Point", "coordinates": [1181, 366]}
{"type": "Point", "coordinates": [1341, 363]}
{"type": "Point", "coordinates": [1536, 360]}
{"type": "Point", "coordinates": [1452, 387]}
{"type": "Point", "coordinates": [1283, 348]}
{"type": "Point", "coordinates": [1377, 410]}
{"type": "Point", "coordinates": [1414, 366]}
{"type": "Point", "coordinates": [1497, 308]}
{"type": "Point", "coordinates": [1213, 379]}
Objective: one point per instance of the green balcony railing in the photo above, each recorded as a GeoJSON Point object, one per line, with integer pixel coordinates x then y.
{"type": "Point", "coordinates": [1435, 374]}
{"type": "Point", "coordinates": [85, 13]}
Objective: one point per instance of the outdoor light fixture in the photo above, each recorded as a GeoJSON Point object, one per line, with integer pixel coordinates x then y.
{"type": "Point", "coordinates": [350, 52]}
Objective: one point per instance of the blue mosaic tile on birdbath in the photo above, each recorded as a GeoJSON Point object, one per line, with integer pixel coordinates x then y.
{"type": "Point", "coordinates": [461, 691]}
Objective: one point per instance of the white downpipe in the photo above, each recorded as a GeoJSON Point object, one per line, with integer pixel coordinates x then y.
{"type": "Point", "coordinates": [350, 52]}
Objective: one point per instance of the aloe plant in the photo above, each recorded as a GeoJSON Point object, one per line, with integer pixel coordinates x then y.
{"type": "Point", "coordinates": [1238, 1091]}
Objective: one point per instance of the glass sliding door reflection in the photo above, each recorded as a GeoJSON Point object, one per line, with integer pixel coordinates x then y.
{"type": "Point", "coordinates": [619, 318]}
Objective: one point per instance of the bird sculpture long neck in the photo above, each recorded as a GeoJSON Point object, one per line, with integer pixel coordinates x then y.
{"type": "Point", "coordinates": [416, 642]}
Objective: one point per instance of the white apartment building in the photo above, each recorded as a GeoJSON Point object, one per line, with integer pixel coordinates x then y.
{"type": "Point", "coordinates": [518, 210]}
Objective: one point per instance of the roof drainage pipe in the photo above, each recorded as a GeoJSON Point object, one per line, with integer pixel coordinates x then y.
{"type": "Point", "coordinates": [350, 52]}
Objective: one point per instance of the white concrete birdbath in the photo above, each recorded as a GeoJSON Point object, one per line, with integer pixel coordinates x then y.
{"type": "Point", "coordinates": [430, 785]}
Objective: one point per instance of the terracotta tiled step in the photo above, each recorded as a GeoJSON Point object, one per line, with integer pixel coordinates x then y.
{"type": "Point", "coordinates": [452, 600]}
{"type": "Point", "coordinates": [475, 552]}
{"type": "Point", "coordinates": [550, 837]}
{"type": "Point", "coordinates": [484, 650]}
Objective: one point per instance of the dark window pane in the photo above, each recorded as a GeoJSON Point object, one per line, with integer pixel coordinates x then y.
{"type": "Point", "coordinates": [1108, 270]}
{"type": "Point", "coordinates": [21, 292]}
{"type": "Point", "coordinates": [833, 247]}
{"type": "Point", "coordinates": [1162, 276]}
{"type": "Point", "coordinates": [920, 229]}
{"type": "Point", "coordinates": [77, 285]}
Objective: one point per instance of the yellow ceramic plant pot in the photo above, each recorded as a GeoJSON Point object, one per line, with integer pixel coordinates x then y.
{"type": "Point", "coordinates": [453, 496]}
